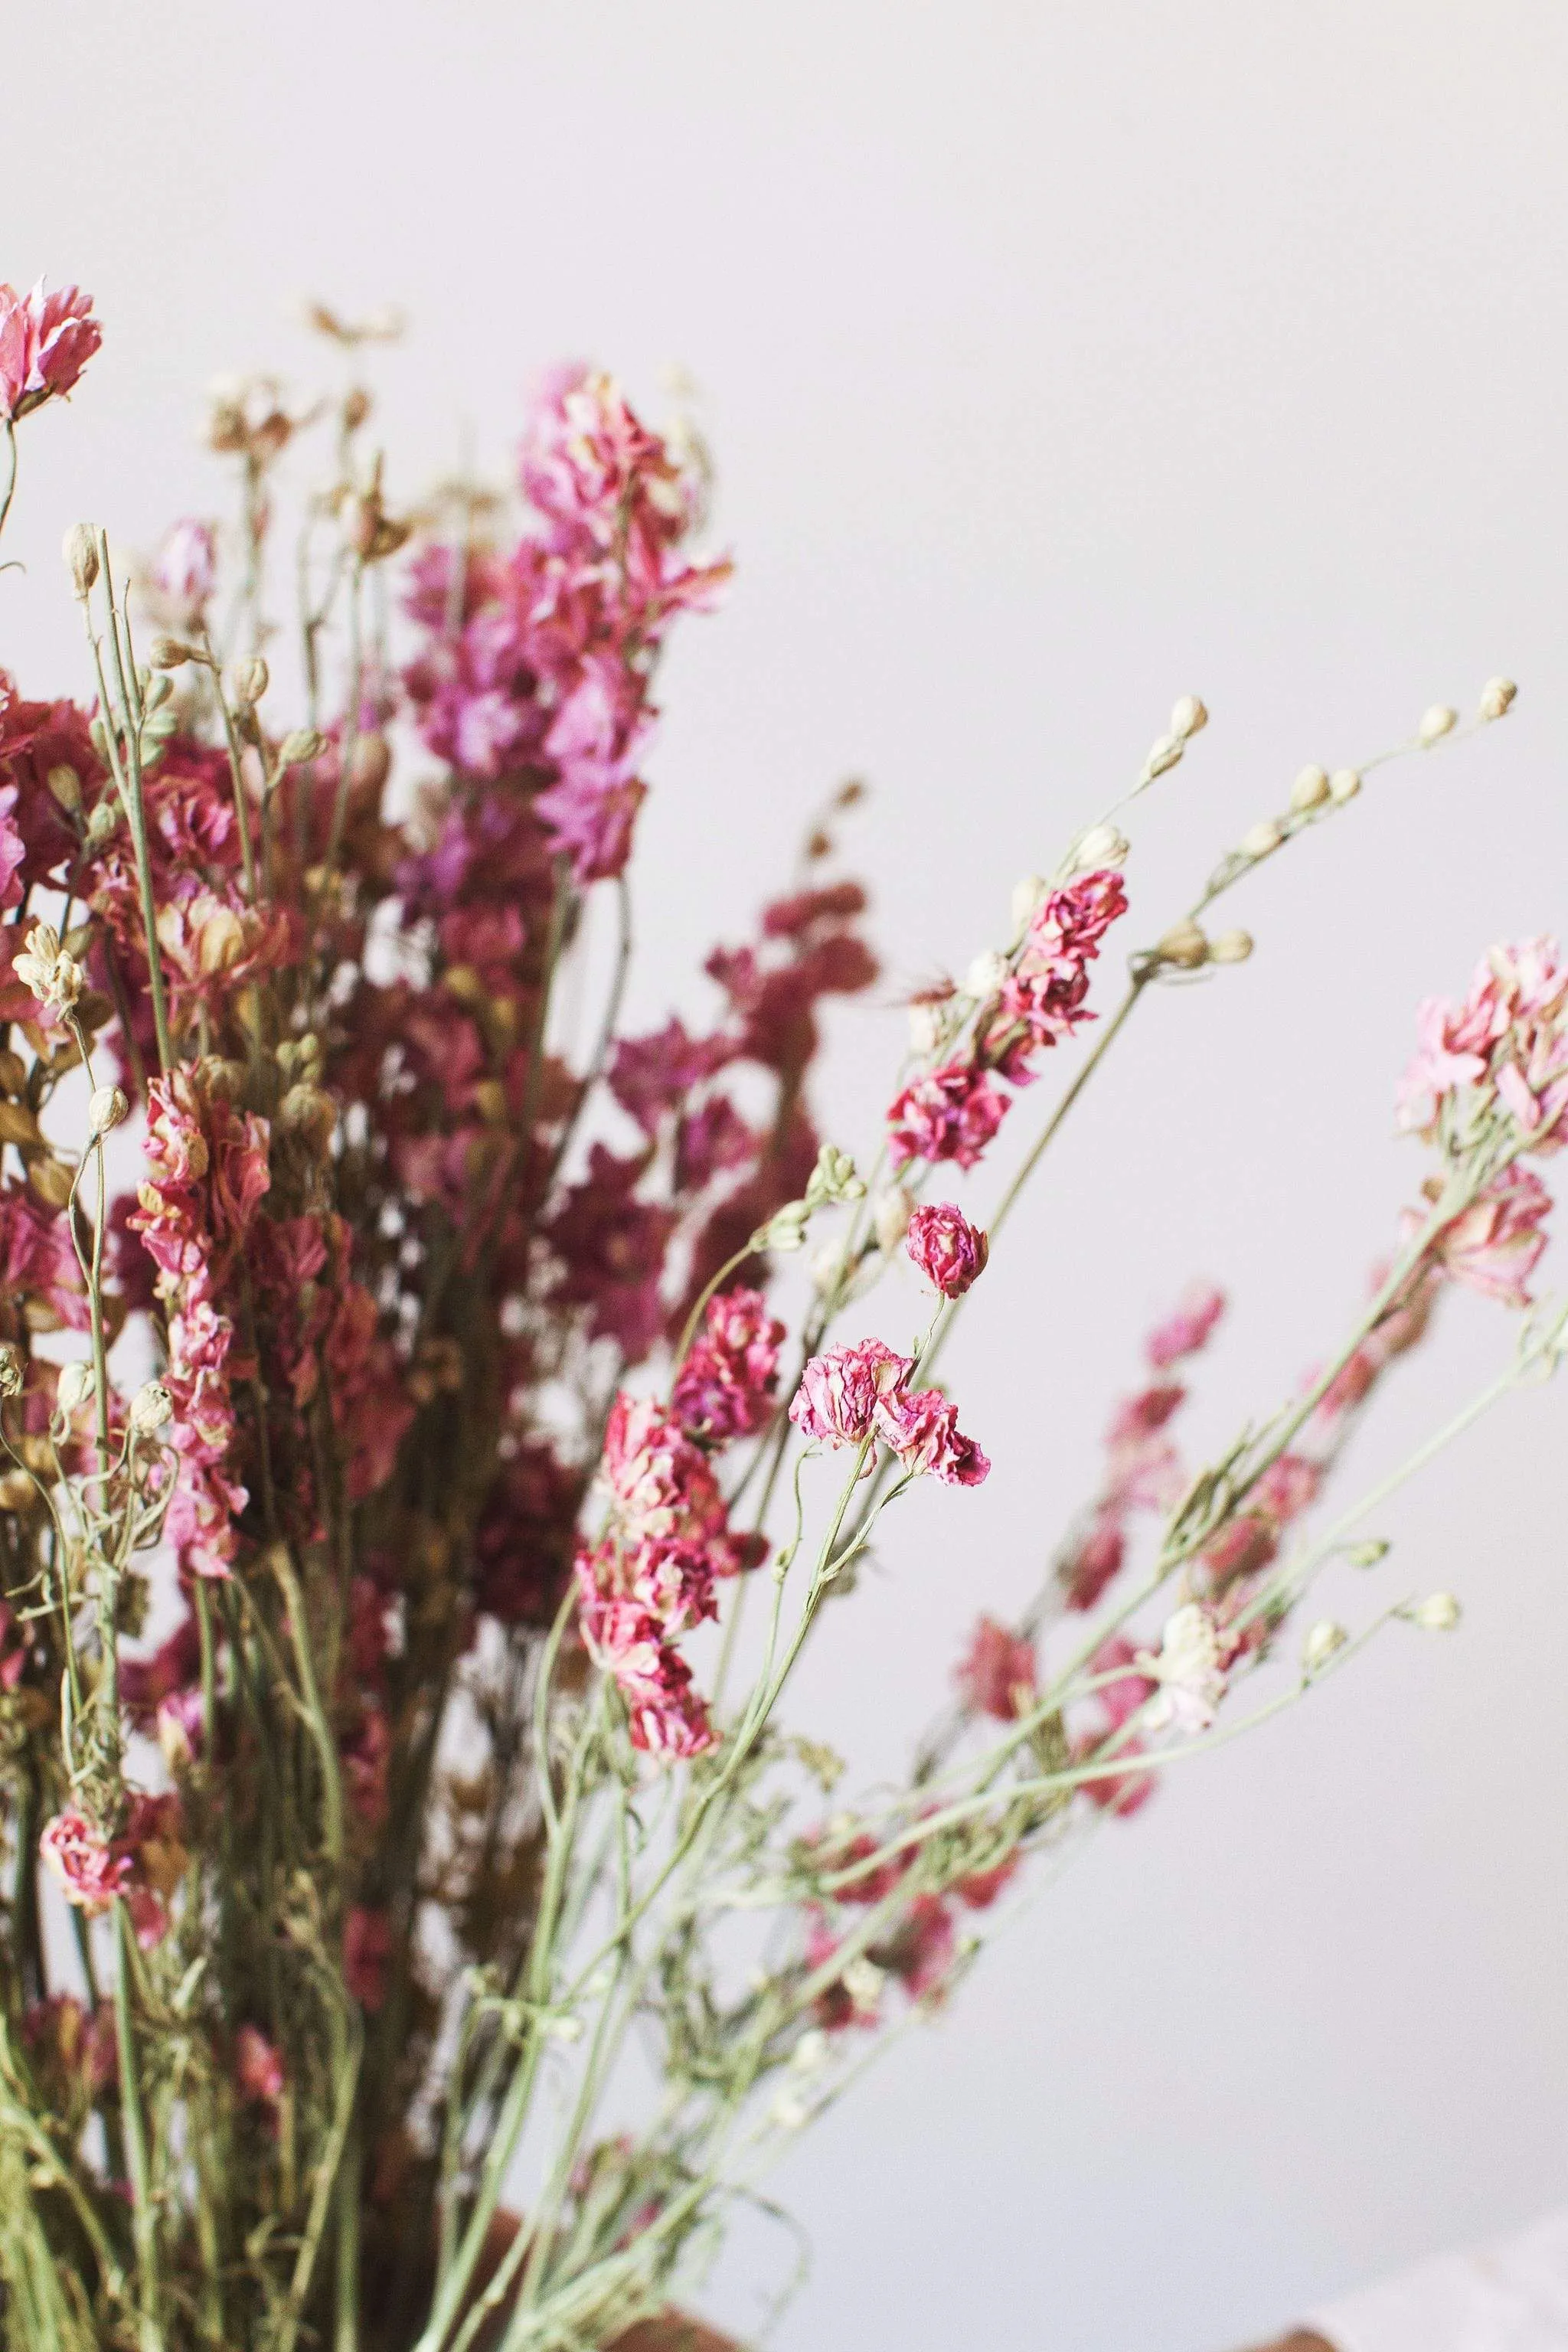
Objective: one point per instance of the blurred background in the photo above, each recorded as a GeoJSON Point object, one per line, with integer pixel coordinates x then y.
{"type": "Point", "coordinates": [1058, 361]}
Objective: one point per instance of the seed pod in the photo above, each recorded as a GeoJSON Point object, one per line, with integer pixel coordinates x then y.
{"type": "Point", "coordinates": [171, 653]}
{"type": "Point", "coordinates": [150, 1407]}
{"type": "Point", "coordinates": [106, 1108]}
{"type": "Point", "coordinates": [1310, 791]}
{"type": "Point", "coordinates": [1028, 894]}
{"type": "Point", "coordinates": [1188, 718]}
{"type": "Point", "coordinates": [1440, 1614]}
{"type": "Point", "coordinates": [1262, 839]}
{"type": "Point", "coordinates": [73, 1388]}
{"type": "Point", "coordinates": [299, 744]}
{"type": "Point", "coordinates": [1183, 945]}
{"type": "Point", "coordinates": [1343, 785]}
{"type": "Point", "coordinates": [1231, 947]}
{"type": "Point", "coordinates": [1102, 846]}
{"type": "Point", "coordinates": [1163, 752]}
{"type": "Point", "coordinates": [250, 681]}
{"type": "Point", "coordinates": [1497, 697]}
{"type": "Point", "coordinates": [986, 974]}
{"type": "Point", "coordinates": [1322, 1643]}
{"type": "Point", "coordinates": [81, 552]}
{"type": "Point", "coordinates": [101, 822]}
{"type": "Point", "coordinates": [1436, 723]}
{"type": "Point", "coordinates": [65, 785]}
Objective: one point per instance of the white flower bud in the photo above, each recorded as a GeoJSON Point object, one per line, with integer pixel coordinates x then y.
{"type": "Point", "coordinates": [1231, 947]}
{"type": "Point", "coordinates": [1310, 791]}
{"type": "Point", "coordinates": [890, 1217]}
{"type": "Point", "coordinates": [150, 1407]}
{"type": "Point", "coordinates": [827, 1267]}
{"type": "Point", "coordinates": [789, 2112]}
{"type": "Point", "coordinates": [1343, 785]}
{"type": "Point", "coordinates": [1028, 893]}
{"type": "Point", "coordinates": [1320, 1645]}
{"type": "Point", "coordinates": [1102, 846]}
{"type": "Point", "coordinates": [810, 2052]}
{"type": "Point", "coordinates": [1435, 724]}
{"type": "Point", "coordinates": [1261, 840]}
{"type": "Point", "coordinates": [1497, 697]}
{"type": "Point", "coordinates": [565, 2028]}
{"type": "Point", "coordinates": [1368, 1554]}
{"type": "Point", "coordinates": [863, 1982]}
{"type": "Point", "coordinates": [81, 556]}
{"type": "Point", "coordinates": [986, 974]}
{"type": "Point", "coordinates": [106, 1107]}
{"type": "Point", "coordinates": [928, 1026]}
{"type": "Point", "coordinates": [1163, 752]}
{"type": "Point", "coordinates": [1440, 1614]}
{"type": "Point", "coordinates": [73, 1388]}
{"type": "Point", "coordinates": [1188, 718]}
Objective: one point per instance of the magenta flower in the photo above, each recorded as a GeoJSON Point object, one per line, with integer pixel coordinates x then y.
{"type": "Point", "coordinates": [258, 2067]}
{"type": "Point", "coordinates": [46, 340]}
{"type": "Point", "coordinates": [997, 1673]}
{"type": "Point", "coordinates": [922, 1429]}
{"type": "Point", "coordinates": [1186, 1328]}
{"type": "Point", "coordinates": [840, 1392]}
{"type": "Point", "coordinates": [949, 1251]}
{"type": "Point", "coordinates": [367, 1948]}
{"type": "Point", "coordinates": [951, 1114]}
{"type": "Point", "coordinates": [725, 1387]}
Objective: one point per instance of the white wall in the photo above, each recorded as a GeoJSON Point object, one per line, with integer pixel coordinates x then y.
{"type": "Point", "coordinates": [1060, 360]}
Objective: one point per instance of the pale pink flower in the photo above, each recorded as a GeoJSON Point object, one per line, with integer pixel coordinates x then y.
{"type": "Point", "coordinates": [948, 1250]}
{"type": "Point", "coordinates": [1188, 1671]}
{"type": "Point", "coordinates": [997, 1673]}
{"type": "Point", "coordinates": [1186, 1328]}
{"type": "Point", "coordinates": [672, 1723]}
{"type": "Point", "coordinates": [184, 573]}
{"type": "Point", "coordinates": [951, 1114]}
{"type": "Point", "coordinates": [922, 1429]}
{"type": "Point", "coordinates": [922, 1947]}
{"type": "Point", "coordinates": [90, 1869]}
{"type": "Point", "coordinates": [1094, 1560]}
{"type": "Point", "coordinates": [1494, 1245]}
{"type": "Point", "coordinates": [46, 340]}
{"type": "Point", "coordinates": [839, 1391]}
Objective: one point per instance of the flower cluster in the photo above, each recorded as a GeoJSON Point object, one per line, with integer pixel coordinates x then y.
{"type": "Point", "coordinates": [46, 340]}
{"type": "Point", "coordinates": [1030, 1001]}
{"type": "Point", "coordinates": [860, 1394]}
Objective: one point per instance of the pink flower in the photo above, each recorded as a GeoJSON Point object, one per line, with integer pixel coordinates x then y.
{"type": "Point", "coordinates": [1096, 1559]}
{"type": "Point", "coordinates": [725, 1389]}
{"type": "Point", "coordinates": [652, 1075]}
{"type": "Point", "coordinates": [982, 1887]}
{"type": "Point", "coordinates": [839, 1391]}
{"type": "Point", "coordinates": [1188, 1329]}
{"type": "Point", "coordinates": [996, 1673]}
{"type": "Point", "coordinates": [90, 1870]}
{"type": "Point", "coordinates": [949, 1251]}
{"type": "Point", "coordinates": [920, 1949]}
{"type": "Point", "coordinates": [46, 340]}
{"type": "Point", "coordinates": [1120, 1699]}
{"type": "Point", "coordinates": [258, 2067]}
{"type": "Point", "coordinates": [673, 1725]}
{"type": "Point", "coordinates": [1494, 1245]}
{"type": "Point", "coordinates": [367, 1948]}
{"type": "Point", "coordinates": [922, 1429]}
{"type": "Point", "coordinates": [951, 1114]}
{"type": "Point", "coordinates": [660, 1483]}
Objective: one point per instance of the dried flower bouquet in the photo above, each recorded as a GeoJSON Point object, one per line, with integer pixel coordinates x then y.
{"type": "Point", "coordinates": [393, 1392]}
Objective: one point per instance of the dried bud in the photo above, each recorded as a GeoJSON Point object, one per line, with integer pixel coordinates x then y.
{"type": "Point", "coordinates": [251, 680]}
{"type": "Point", "coordinates": [1163, 752]}
{"type": "Point", "coordinates": [299, 744]}
{"type": "Point", "coordinates": [65, 785]}
{"type": "Point", "coordinates": [1498, 696]}
{"type": "Point", "coordinates": [1028, 894]}
{"type": "Point", "coordinates": [928, 1026]}
{"type": "Point", "coordinates": [829, 1264]}
{"type": "Point", "coordinates": [101, 823]}
{"type": "Point", "coordinates": [73, 1388]}
{"type": "Point", "coordinates": [1343, 785]}
{"type": "Point", "coordinates": [1231, 947]}
{"type": "Point", "coordinates": [1261, 840]}
{"type": "Point", "coordinates": [106, 1108]}
{"type": "Point", "coordinates": [308, 1112]}
{"type": "Point", "coordinates": [1310, 791]}
{"type": "Point", "coordinates": [82, 557]}
{"type": "Point", "coordinates": [1320, 1645]}
{"type": "Point", "coordinates": [171, 653]}
{"type": "Point", "coordinates": [357, 408]}
{"type": "Point", "coordinates": [785, 1229]}
{"type": "Point", "coordinates": [371, 764]}
{"type": "Point", "coordinates": [1440, 1614]}
{"type": "Point", "coordinates": [986, 974]}
{"type": "Point", "coordinates": [1368, 1554]}
{"type": "Point", "coordinates": [890, 1217]}
{"type": "Point", "coordinates": [1189, 717]}
{"type": "Point", "coordinates": [150, 1407]}
{"type": "Point", "coordinates": [10, 1370]}
{"type": "Point", "coordinates": [1184, 946]}
{"type": "Point", "coordinates": [863, 1982]}
{"type": "Point", "coordinates": [1435, 724]}
{"type": "Point", "coordinates": [833, 1178]}
{"type": "Point", "coordinates": [1102, 846]}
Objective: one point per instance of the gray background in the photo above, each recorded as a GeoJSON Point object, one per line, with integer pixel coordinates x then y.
{"type": "Point", "coordinates": [1058, 360]}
